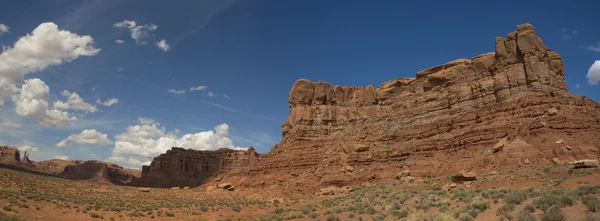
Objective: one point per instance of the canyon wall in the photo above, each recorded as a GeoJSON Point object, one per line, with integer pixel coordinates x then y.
{"type": "Point", "coordinates": [187, 167]}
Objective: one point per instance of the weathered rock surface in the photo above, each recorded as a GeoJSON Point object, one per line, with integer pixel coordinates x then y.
{"type": "Point", "coordinates": [444, 120]}
{"type": "Point", "coordinates": [98, 171]}
{"type": "Point", "coordinates": [586, 163]}
{"type": "Point", "coordinates": [12, 156]}
{"type": "Point", "coordinates": [187, 167]}
{"type": "Point", "coordinates": [56, 166]}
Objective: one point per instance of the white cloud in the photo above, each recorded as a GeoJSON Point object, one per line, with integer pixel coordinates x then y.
{"type": "Point", "coordinates": [120, 69]}
{"type": "Point", "coordinates": [140, 143]}
{"type": "Point", "coordinates": [61, 157]}
{"type": "Point", "coordinates": [138, 32]}
{"type": "Point", "coordinates": [593, 75]}
{"type": "Point", "coordinates": [119, 41]}
{"type": "Point", "coordinates": [28, 149]}
{"type": "Point", "coordinates": [225, 95]}
{"type": "Point", "coordinates": [45, 46]}
{"type": "Point", "coordinates": [4, 29]}
{"type": "Point", "coordinates": [86, 137]}
{"type": "Point", "coordinates": [74, 102]}
{"type": "Point", "coordinates": [173, 91]}
{"type": "Point", "coordinates": [211, 94]}
{"type": "Point", "coordinates": [162, 44]}
{"type": "Point", "coordinates": [4, 123]}
{"type": "Point", "coordinates": [199, 88]}
{"type": "Point", "coordinates": [108, 102]}
{"type": "Point", "coordinates": [33, 103]}
{"type": "Point", "coordinates": [577, 86]}
{"type": "Point", "coordinates": [143, 120]}
{"type": "Point", "coordinates": [594, 48]}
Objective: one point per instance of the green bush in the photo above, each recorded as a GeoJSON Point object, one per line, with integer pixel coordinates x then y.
{"type": "Point", "coordinates": [553, 198]}
{"type": "Point", "coordinates": [505, 211]}
{"type": "Point", "coordinates": [332, 217]}
{"type": "Point", "coordinates": [465, 217]}
{"type": "Point", "coordinates": [592, 203]}
{"type": "Point", "coordinates": [553, 214]}
{"type": "Point", "coordinates": [515, 197]}
{"type": "Point", "coordinates": [525, 215]}
{"type": "Point", "coordinates": [94, 215]}
{"type": "Point", "coordinates": [479, 203]}
{"type": "Point", "coordinates": [590, 217]}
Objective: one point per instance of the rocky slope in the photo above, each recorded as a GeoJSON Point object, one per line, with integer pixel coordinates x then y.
{"type": "Point", "coordinates": [55, 166]}
{"type": "Point", "coordinates": [187, 167]}
{"type": "Point", "coordinates": [446, 119]}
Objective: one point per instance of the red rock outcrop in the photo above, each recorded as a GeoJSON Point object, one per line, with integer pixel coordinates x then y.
{"type": "Point", "coordinates": [12, 156]}
{"type": "Point", "coordinates": [56, 166]}
{"type": "Point", "coordinates": [446, 119]}
{"type": "Point", "coordinates": [99, 171]}
{"type": "Point", "coordinates": [187, 167]}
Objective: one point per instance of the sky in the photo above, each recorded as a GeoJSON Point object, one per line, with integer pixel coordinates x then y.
{"type": "Point", "coordinates": [124, 81]}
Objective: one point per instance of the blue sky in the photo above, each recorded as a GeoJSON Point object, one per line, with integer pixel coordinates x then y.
{"type": "Point", "coordinates": [246, 55]}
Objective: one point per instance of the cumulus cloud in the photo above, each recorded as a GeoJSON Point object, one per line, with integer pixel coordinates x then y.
{"type": "Point", "coordinates": [199, 88]}
{"type": "Point", "coordinates": [140, 143]}
{"type": "Point", "coordinates": [45, 46]}
{"type": "Point", "coordinates": [173, 91]}
{"type": "Point", "coordinates": [108, 102]}
{"type": "Point", "coordinates": [593, 75]}
{"type": "Point", "coordinates": [138, 32]}
{"type": "Point", "coordinates": [119, 41]}
{"type": "Point", "coordinates": [162, 44]}
{"type": "Point", "coordinates": [33, 103]}
{"type": "Point", "coordinates": [61, 157]}
{"type": "Point", "coordinates": [4, 29]}
{"type": "Point", "coordinates": [86, 137]}
{"type": "Point", "coordinates": [211, 94]}
{"type": "Point", "coordinates": [4, 123]}
{"type": "Point", "coordinates": [74, 102]}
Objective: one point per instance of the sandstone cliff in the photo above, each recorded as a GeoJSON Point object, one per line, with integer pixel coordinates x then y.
{"type": "Point", "coordinates": [12, 156]}
{"type": "Point", "coordinates": [444, 120]}
{"type": "Point", "coordinates": [187, 167]}
{"type": "Point", "coordinates": [91, 170]}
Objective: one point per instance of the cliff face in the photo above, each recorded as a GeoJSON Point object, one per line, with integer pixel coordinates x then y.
{"type": "Point", "coordinates": [12, 156]}
{"type": "Point", "coordinates": [187, 167]}
{"type": "Point", "coordinates": [91, 170]}
{"type": "Point", "coordinates": [450, 115]}
{"type": "Point", "coordinates": [98, 171]}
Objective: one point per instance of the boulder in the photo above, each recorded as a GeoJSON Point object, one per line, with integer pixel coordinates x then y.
{"type": "Point", "coordinates": [144, 190]}
{"type": "Point", "coordinates": [360, 148]}
{"type": "Point", "coordinates": [464, 176]}
{"type": "Point", "coordinates": [334, 190]}
{"type": "Point", "coordinates": [552, 112]}
{"type": "Point", "coordinates": [226, 186]}
{"type": "Point", "coordinates": [186, 187]}
{"type": "Point", "coordinates": [556, 161]}
{"type": "Point", "coordinates": [175, 188]}
{"type": "Point", "coordinates": [500, 145]}
{"type": "Point", "coordinates": [407, 178]}
{"type": "Point", "coordinates": [586, 163]}
{"type": "Point", "coordinates": [402, 174]}
{"type": "Point", "coordinates": [526, 161]}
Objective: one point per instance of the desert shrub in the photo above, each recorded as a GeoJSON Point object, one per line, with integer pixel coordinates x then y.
{"type": "Point", "coordinates": [465, 217]}
{"type": "Point", "coordinates": [479, 203]}
{"type": "Point", "coordinates": [515, 197]}
{"type": "Point", "coordinates": [553, 214]}
{"type": "Point", "coordinates": [505, 211]}
{"type": "Point", "coordinates": [7, 208]}
{"type": "Point", "coordinates": [4, 217]}
{"type": "Point", "coordinates": [587, 190]}
{"type": "Point", "coordinates": [592, 203]}
{"type": "Point", "coordinates": [553, 198]}
{"type": "Point", "coordinates": [529, 208]}
{"type": "Point", "coordinates": [441, 217]}
{"type": "Point", "coordinates": [474, 212]}
{"type": "Point", "coordinates": [400, 213]}
{"type": "Point", "coordinates": [169, 214]}
{"type": "Point", "coordinates": [332, 217]}
{"type": "Point", "coordinates": [94, 215]}
{"type": "Point", "coordinates": [590, 217]}
{"type": "Point", "coordinates": [525, 215]}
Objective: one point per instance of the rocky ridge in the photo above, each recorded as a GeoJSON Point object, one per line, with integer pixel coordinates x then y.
{"type": "Point", "coordinates": [446, 119]}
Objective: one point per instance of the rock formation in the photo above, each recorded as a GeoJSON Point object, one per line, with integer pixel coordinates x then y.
{"type": "Point", "coordinates": [187, 167]}
{"type": "Point", "coordinates": [446, 119]}
{"type": "Point", "coordinates": [98, 171]}
{"type": "Point", "coordinates": [56, 166]}
{"type": "Point", "coordinates": [12, 156]}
